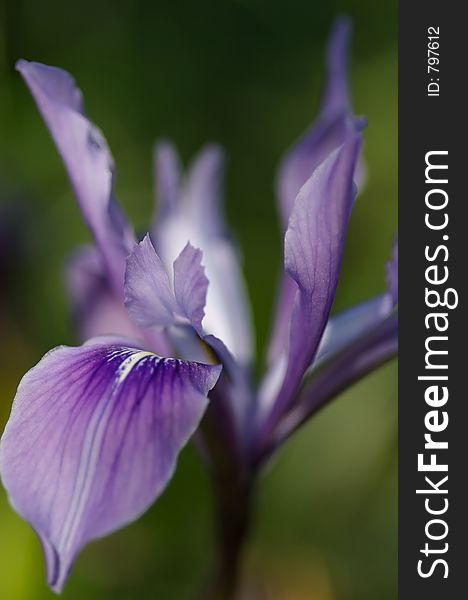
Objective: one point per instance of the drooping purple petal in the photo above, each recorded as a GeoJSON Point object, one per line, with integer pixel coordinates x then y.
{"type": "Point", "coordinates": [93, 439]}
{"type": "Point", "coordinates": [313, 251]}
{"type": "Point", "coordinates": [87, 160]}
{"type": "Point", "coordinates": [197, 217]}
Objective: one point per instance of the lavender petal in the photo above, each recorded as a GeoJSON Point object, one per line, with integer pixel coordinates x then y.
{"type": "Point", "coordinates": [93, 439]}
{"type": "Point", "coordinates": [313, 252]}
{"type": "Point", "coordinates": [95, 308]}
{"type": "Point", "coordinates": [87, 160]}
{"type": "Point", "coordinates": [357, 360]}
{"type": "Point", "coordinates": [168, 175]}
{"type": "Point", "coordinates": [197, 217]}
{"type": "Point", "coordinates": [190, 285]}
{"type": "Point", "coordinates": [348, 326]}
{"type": "Point", "coordinates": [319, 141]}
{"type": "Point", "coordinates": [327, 133]}
{"type": "Point", "coordinates": [150, 298]}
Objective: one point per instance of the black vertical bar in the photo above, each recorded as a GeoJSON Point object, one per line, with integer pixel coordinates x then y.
{"type": "Point", "coordinates": [433, 118]}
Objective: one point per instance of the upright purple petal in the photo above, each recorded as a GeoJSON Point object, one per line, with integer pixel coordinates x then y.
{"type": "Point", "coordinates": [327, 133]}
{"type": "Point", "coordinates": [313, 252]}
{"type": "Point", "coordinates": [87, 160]}
{"type": "Point", "coordinates": [312, 149]}
{"type": "Point", "coordinates": [150, 298]}
{"type": "Point", "coordinates": [148, 294]}
{"type": "Point", "coordinates": [191, 285]}
{"type": "Point", "coordinates": [93, 439]}
{"type": "Point", "coordinates": [203, 192]}
{"type": "Point", "coordinates": [197, 217]}
{"type": "Point", "coordinates": [168, 176]}
{"type": "Point", "coordinates": [336, 96]}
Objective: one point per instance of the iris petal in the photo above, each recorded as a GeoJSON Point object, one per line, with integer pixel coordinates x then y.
{"type": "Point", "coordinates": [168, 177]}
{"type": "Point", "coordinates": [313, 252]}
{"type": "Point", "coordinates": [151, 299]}
{"type": "Point", "coordinates": [197, 216]}
{"type": "Point", "coordinates": [318, 142]}
{"type": "Point", "coordinates": [373, 349]}
{"type": "Point", "coordinates": [327, 133]}
{"type": "Point", "coordinates": [87, 160]}
{"type": "Point", "coordinates": [95, 309]}
{"type": "Point", "coordinates": [349, 325]}
{"type": "Point", "coordinates": [93, 439]}
{"type": "Point", "coordinates": [191, 285]}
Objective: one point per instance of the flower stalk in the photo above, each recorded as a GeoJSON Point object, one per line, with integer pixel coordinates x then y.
{"type": "Point", "coordinates": [233, 507]}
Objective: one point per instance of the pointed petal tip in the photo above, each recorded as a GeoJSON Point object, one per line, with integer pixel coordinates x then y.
{"type": "Point", "coordinates": [21, 65]}
{"type": "Point", "coordinates": [164, 143]}
{"type": "Point", "coordinates": [146, 241]}
{"type": "Point", "coordinates": [144, 245]}
{"type": "Point", "coordinates": [54, 82]}
{"type": "Point", "coordinates": [343, 25]}
{"type": "Point", "coordinates": [339, 38]}
{"type": "Point", "coordinates": [214, 374]}
{"type": "Point", "coordinates": [361, 123]}
{"type": "Point", "coordinates": [57, 570]}
{"type": "Point", "coordinates": [210, 159]}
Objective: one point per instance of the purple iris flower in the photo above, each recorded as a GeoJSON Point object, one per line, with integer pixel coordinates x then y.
{"type": "Point", "coordinates": [95, 430]}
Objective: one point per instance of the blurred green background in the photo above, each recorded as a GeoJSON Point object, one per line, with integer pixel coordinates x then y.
{"type": "Point", "coordinates": [248, 75]}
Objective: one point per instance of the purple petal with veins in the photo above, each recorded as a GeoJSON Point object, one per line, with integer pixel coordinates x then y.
{"type": "Point", "coordinates": [314, 245]}
{"type": "Point", "coordinates": [87, 160]}
{"type": "Point", "coordinates": [93, 439]}
{"type": "Point", "coordinates": [327, 133]}
{"type": "Point", "coordinates": [314, 147]}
